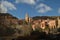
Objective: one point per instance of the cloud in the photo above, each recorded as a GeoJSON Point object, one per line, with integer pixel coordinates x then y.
{"type": "Point", "coordinates": [59, 10]}
{"type": "Point", "coordinates": [32, 2]}
{"type": "Point", "coordinates": [2, 9]}
{"type": "Point", "coordinates": [5, 6]}
{"type": "Point", "coordinates": [43, 8]}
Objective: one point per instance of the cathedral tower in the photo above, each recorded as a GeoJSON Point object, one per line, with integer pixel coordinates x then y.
{"type": "Point", "coordinates": [27, 17]}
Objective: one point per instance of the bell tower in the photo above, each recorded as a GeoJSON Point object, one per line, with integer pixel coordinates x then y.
{"type": "Point", "coordinates": [27, 17]}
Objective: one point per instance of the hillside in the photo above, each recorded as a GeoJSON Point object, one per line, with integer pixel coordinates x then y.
{"type": "Point", "coordinates": [45, 17]}
{"type": "Point", "coordinates": [7, 21]}
{"type": "Point", "coordinates": [7, 14]}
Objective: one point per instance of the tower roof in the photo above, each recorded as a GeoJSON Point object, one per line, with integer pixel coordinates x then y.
{"type": "Point", "coordinates": [27, 15]}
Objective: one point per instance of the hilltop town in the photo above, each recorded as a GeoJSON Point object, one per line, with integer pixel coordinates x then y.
{"type": "Point", "coordinates": [12, 26]}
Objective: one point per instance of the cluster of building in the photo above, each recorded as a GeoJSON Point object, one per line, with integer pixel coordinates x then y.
{"type": "Point", "coordinates": [43, 23]}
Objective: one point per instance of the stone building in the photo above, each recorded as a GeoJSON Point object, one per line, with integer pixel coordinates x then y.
{"type": "Point", "coordinates": [27, 17]}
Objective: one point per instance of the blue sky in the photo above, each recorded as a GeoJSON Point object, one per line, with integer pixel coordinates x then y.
{"type": "Point", "coordinates": [19, 8]}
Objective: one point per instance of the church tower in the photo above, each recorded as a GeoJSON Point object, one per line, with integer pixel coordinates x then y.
{"type": "Point", "coordinates": [27, 17]}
